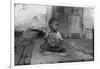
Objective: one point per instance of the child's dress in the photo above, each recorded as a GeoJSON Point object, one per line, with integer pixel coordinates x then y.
{"type": "Point", "coordinates": [53, 43]}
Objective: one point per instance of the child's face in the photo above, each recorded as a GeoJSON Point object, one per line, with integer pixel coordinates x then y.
{"type": "Point", "coordinates": [54, 26]}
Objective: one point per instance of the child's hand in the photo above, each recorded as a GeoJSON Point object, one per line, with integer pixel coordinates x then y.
{"type": "Point", "coordinates": [53, 42]}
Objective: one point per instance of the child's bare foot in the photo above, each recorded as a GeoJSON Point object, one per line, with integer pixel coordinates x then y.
{"type": "Point", "coordinates": [63, 54]}
{"type": "Point", "coordinates": [47, 53]}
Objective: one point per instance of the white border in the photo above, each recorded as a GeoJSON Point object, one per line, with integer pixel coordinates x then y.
{"type": "Point", "coordinates": [12, 34]}
{"type": "Point", "coordinates": [53, 2]}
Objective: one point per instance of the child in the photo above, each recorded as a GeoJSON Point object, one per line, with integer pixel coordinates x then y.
{"type": "Point", "coordinates": [53, 40]}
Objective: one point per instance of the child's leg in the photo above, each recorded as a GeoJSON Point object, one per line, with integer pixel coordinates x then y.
{"type": "Point", "coordinates": [59, 49]}
{"type": "Point", "coordinates": [62, 51]}
{"type": "Point", "coordinates": [43, 47]}
{"type": "Point", "coordinates": [63, 46]}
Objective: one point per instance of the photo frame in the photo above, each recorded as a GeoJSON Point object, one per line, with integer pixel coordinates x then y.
{"type": "Point", "coordinates": [59, 15]}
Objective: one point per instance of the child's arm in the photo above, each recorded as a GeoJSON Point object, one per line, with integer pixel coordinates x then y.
{"type": "Point", "coordinates": [61, 40]}
{"type": "Point", "coordinates": [45, 37]}
{"type": "Point", "coordinates": [60, 37]}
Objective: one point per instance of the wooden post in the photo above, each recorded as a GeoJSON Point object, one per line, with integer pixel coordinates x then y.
{"type": "Point", "coordinates": [65, 19]}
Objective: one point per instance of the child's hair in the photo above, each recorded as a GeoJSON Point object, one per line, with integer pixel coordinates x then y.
{"type": "Point", "coordinates": [52, 20]}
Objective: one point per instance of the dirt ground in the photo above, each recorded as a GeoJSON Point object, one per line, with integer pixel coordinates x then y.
{"type": "Point", "coordinates": [77, 50]}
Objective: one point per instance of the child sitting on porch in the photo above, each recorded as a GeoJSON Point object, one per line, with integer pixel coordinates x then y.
{"type": "Point", "coordinates": [53, 42]}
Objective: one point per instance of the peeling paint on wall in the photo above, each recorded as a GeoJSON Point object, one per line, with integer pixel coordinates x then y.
{"type": "Point", "coordinates": [88, 18]}
{"type": "Point", "coordinates": [24, 16]}
{"type": "Point", "coordinates": [88, 22]}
